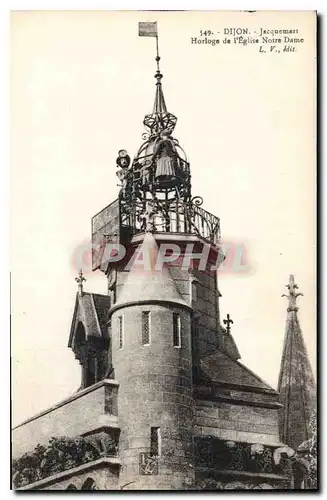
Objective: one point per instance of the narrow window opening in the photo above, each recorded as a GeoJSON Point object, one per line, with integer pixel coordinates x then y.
{"type": "Point", "coordinates": [146, 327]}
{"type": "Point", "coordinates": [121, 332]}
{"type": "Point", "coordinates": [155, 447]}
{"type": "Point", "coordinates": [194, 290]}
{"type": "Point", "coordinates": [177, 330]}
{"type": "Point", "coordinates": [91, 369]}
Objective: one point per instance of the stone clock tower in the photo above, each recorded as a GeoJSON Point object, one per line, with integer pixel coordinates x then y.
{"type": "Point", "coordinates": [162, 317]}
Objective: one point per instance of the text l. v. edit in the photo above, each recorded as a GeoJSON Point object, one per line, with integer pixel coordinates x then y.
{"type": "Point", "coordinates": [274, 48]}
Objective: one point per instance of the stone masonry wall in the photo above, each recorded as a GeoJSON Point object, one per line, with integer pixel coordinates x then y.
{"type": "Point", "coordinates": [235, 422]}
{"type": "Point", "coordinates": [83, 412]}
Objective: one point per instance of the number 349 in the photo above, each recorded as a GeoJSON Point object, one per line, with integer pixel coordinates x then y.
{"type": "Point", "coordinates": [205, 32]}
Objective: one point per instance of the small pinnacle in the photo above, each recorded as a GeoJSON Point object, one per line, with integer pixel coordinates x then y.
{"type": "Point", "coordinates": [79, 279]}
{"type": "Point", "coordinates": [293, 295]}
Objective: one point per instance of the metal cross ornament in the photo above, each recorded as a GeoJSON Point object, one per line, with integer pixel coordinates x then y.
{"type": "Point", "coordinates": [228, 322]}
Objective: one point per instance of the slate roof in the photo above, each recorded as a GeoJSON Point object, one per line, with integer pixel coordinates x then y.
{"type": "Point", "coordinates": [221, 369]}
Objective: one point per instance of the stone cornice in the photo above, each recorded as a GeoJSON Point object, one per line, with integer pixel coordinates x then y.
{"type": "Point", "coordinates": [238, 387]}
{"type": "Point", "coordinates": [154, 301]}
{"type": "Point", "coordinates": [238, 401]}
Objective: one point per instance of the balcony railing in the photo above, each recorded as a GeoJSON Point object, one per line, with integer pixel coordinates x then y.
{"type": "Point", "coordinates": [121, 220]}
{"type": "Point", "coordinates": [174, 217]}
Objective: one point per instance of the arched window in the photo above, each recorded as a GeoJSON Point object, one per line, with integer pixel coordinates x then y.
{"type": "Point", "coordinates": [92, 366]}
{"type": "Point", "coordinates": [71, 487]}
{"type": "Point", "coordinates": [89, 485]}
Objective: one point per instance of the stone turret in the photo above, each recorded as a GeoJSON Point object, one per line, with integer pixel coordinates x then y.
{"type": "Point", "coordinates": [152, 356]}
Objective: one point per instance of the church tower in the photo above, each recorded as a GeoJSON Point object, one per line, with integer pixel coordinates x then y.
{"type": "Point", "coordinates": [296, 383]}
{"type": "Point", "coordinates": [152, 356]}
{"type": "Point", "coordinates": [164, 301]}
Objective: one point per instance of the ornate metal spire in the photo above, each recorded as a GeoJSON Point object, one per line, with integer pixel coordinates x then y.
{"type": "Point", "coordinates": [155, 188]}
{"type": "Point", "coordinates": [79, 279]}
{"type": "Point", "coordinates": [293, 295]}
{"type": "Point", "coordinates": [160, 119]}
{"type": "Point", "coordinates": [159, 100]}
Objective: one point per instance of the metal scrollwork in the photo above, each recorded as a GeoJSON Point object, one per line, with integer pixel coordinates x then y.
{"type": "Point", "coordinates": [197, 200]}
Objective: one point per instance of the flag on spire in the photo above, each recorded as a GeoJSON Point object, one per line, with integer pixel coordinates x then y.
{"type": "Point", "coordinates": [148, 29]}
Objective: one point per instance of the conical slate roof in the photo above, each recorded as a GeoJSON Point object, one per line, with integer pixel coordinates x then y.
{"type": "Point", "coordinates": [148, 281]}
{"type": "Point", "coordinates": [296, 383]}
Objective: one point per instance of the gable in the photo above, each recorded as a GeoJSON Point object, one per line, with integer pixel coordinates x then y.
{"type": "Point", "coordinates": [91, 310]}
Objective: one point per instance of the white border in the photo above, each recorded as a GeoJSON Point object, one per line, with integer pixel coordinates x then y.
{"type": "Point", "coordinates": [5, 8]}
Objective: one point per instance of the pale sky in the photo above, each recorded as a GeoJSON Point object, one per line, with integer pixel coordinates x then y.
{"type": "Point", "coordinates": [81, 83]}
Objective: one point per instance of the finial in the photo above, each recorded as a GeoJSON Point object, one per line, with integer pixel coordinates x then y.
{"type": "Point", "coordinates": [159, 101]}
{"type": "Point", "coordinates": [228, 322]}
{"type": "Point", "coordinates": [159, 118]}
{"type": "Point", "coordinates": [158, 57]}
{"type": "Point", "coordinates": [79, 279]}
{"type": "Point", "coordinates": [293, 295]}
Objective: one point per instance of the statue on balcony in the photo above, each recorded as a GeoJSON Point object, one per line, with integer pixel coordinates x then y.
{"type": "Point", "coordinates": [123, 162]}
{"type": "Point", "coordinates": [145, 173]}
{"type": "Point", "coordinates": [147, 218]}
{"type": "Point", "coordinates": [165, 156]}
